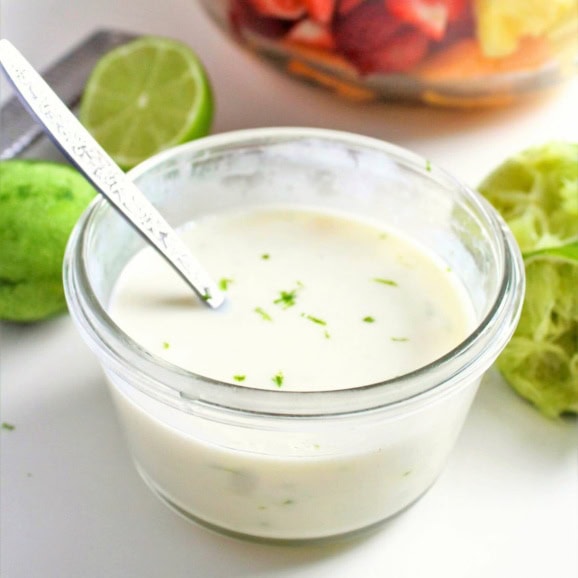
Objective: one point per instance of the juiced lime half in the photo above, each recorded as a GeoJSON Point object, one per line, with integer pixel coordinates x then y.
{"type": "Point", "coordinates": [146, 96]}
{"type": "Point", "coordinates": [537, 194]}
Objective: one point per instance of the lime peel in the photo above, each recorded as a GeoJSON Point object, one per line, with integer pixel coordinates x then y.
{"type": "Point", "coordinates": [537, 194]}
{"type": "Point", "coordinates": [40, 202]}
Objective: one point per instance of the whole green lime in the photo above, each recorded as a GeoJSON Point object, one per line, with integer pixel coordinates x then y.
{"type": "Point", "coordinates": [40, 202]}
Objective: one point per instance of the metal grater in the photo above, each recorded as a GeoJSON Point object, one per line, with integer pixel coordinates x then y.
{"type": "Point", "coordinates": [18, 131]}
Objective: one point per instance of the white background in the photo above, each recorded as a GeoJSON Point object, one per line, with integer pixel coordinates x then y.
{"type": "Point", "coordinates": [73, 506]}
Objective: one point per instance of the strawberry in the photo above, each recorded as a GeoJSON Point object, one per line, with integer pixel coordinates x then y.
{"type": "Point", "coordinates": [346, 6]}
{"type": "Point", "coordinates": [320, 10]}
{"type": "Point", "coordinates": [401, 53]}
{"type": "Point", "coordinates": [429, 16]}
{"type": "Point", "coordinates": [282, 9]}
{"type": "Point", "coordinates": [457, 9]}
{"type": "Point", "coordinates": [363, 30]}
{"type": "Point", "coordinates": [242, 16]}
{"type": "Point", "coordinates": [309, 32]}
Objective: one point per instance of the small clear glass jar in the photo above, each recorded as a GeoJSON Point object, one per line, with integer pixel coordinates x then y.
{"type": "Point", "coordinates": [455, 53]}
{"type": "Point", "coordinates": [280, 465]}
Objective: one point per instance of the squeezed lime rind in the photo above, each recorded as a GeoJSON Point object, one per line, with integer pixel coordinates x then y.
{"type": "Point", "coordinates": [541, 360]}
{"type": "Point", "coordinates": [537, 194]}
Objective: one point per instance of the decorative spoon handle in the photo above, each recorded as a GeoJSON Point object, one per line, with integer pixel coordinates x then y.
{"type": "Point", "coordinates": [91, 159]}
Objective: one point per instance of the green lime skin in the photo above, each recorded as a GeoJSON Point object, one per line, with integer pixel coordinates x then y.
{"type": "Point", "coordinates": [40, 202]}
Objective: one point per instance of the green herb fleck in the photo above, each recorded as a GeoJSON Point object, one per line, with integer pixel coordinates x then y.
{"type": "Point", "coordinates": [239, 378]}
{"type": "Point", "coordinates": [288, 502]}
{"type": "Point", "coordinates": [224, 283]}
{"type": "Point", "coordinates": [287, 299]}
{"type": "Point", "coordinates": [369, 319]}
{"type": "Point", "coordinates": [405, 474]}
{"type": "Point", "coordinates": [8, 426]}
{"type": "Point", "coordinates": [206, 295]}
{"type": "Point", "coordinates": [263, 314]}
{"type": "Point", "coordinates": [277, 379]}
{"type": "Point", "coordinates": [316, 320]}
{"type": "Point", "coordinates": [428, 165]}
{"type": "Point", "coordinates": [385, 281]}
{"type": "Point", "coordinates": [166, 344]}
{"type": "Point", "coordinates": [400, 339]}
{"type": "Point", "coordinates": [327, 334]}
{"type": "Point", "coordinates": [265, 256]}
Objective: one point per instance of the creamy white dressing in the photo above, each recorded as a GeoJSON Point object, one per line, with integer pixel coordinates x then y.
{"type": "Point", "coordinates": [361, 304]}
{"type": "Point", "coordinates": [315, 301]}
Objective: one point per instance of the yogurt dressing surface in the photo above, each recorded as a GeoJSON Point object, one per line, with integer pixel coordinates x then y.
{"type": "Point", "coordinates": [317, 300]}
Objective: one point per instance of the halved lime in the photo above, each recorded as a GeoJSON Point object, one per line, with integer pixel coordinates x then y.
{"type": "Point", "coordinates": [146, 96]}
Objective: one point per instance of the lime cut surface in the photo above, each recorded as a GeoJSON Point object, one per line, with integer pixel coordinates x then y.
{"type": "Point", "coordinates": [146, 96]}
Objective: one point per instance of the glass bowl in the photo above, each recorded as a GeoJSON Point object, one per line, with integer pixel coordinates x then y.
{"type": "Point", "coordinates": [296, 466]}
{"type": "Point", "coordinates": [457, 53]}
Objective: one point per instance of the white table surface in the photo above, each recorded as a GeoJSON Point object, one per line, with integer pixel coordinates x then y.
{"type": "Point", "coordinates": [73, 506]}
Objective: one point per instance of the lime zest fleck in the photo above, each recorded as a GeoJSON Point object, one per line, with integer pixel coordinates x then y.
{"type": "Point", "coordinates": [263, 313]}
{"type": "Point", "coordinates": [239, 378]}
{"type": "Point", "coordinates": [224, 283]}
{"type": "Point", "coordinates": [287, 299]}
{"type": "Point", "coordinates": [206, 295]}
{"type": "Point", "coordinates": [288, 502]}
{"type": "Point", "coordinates": [400, 339]}
{"type": "Point", "coordinates": [166, 345]}
{"type": "Point", "coordinates": [383, 281]}
{"type": "Point", "coordinates": [428, 165]}
{"type": "Point", "coordinates": [278, 379]}
{"type": "Point", "coordinates": [315, 319]}
{"type": "Point", "coordinates": [327, 334]}
{"type": "Point", "coordinates": [265, 256]}
{"type": "Point", "coordinates": [369, 319]}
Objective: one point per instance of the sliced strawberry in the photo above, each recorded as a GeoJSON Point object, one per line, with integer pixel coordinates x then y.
{"type": "Point", "coordinates": [346, 6]}
{"type": "Point", "coordinates": [402, 52]}
{"type": "Point", "coordinates": [463, 27]}
{"type": "Point", "coordinates": [429, 16]}
{"type": "Point", "coordinates": [283, 9]}
{"type": "Point", "coordinates": [243, 16]}
{"type": "Point", "coordinates": [321, 10]}
{"type": "Point", "coordinates": [311, 33]}
{"type": "Point", "coordinates": [364, 29]}
{"type": "Point", "coordinates": [457, 9]}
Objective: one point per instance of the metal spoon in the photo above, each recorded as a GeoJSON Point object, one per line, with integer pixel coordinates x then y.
{"type": "Point", "coordinates": [91, 159]}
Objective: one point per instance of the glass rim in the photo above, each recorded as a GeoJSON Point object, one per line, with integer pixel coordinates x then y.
{"type": "Point", "coordinates": [189, 391]}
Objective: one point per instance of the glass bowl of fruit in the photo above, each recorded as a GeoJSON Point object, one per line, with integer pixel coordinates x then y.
{"type": "Point", "coordinates": [441, 52]}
